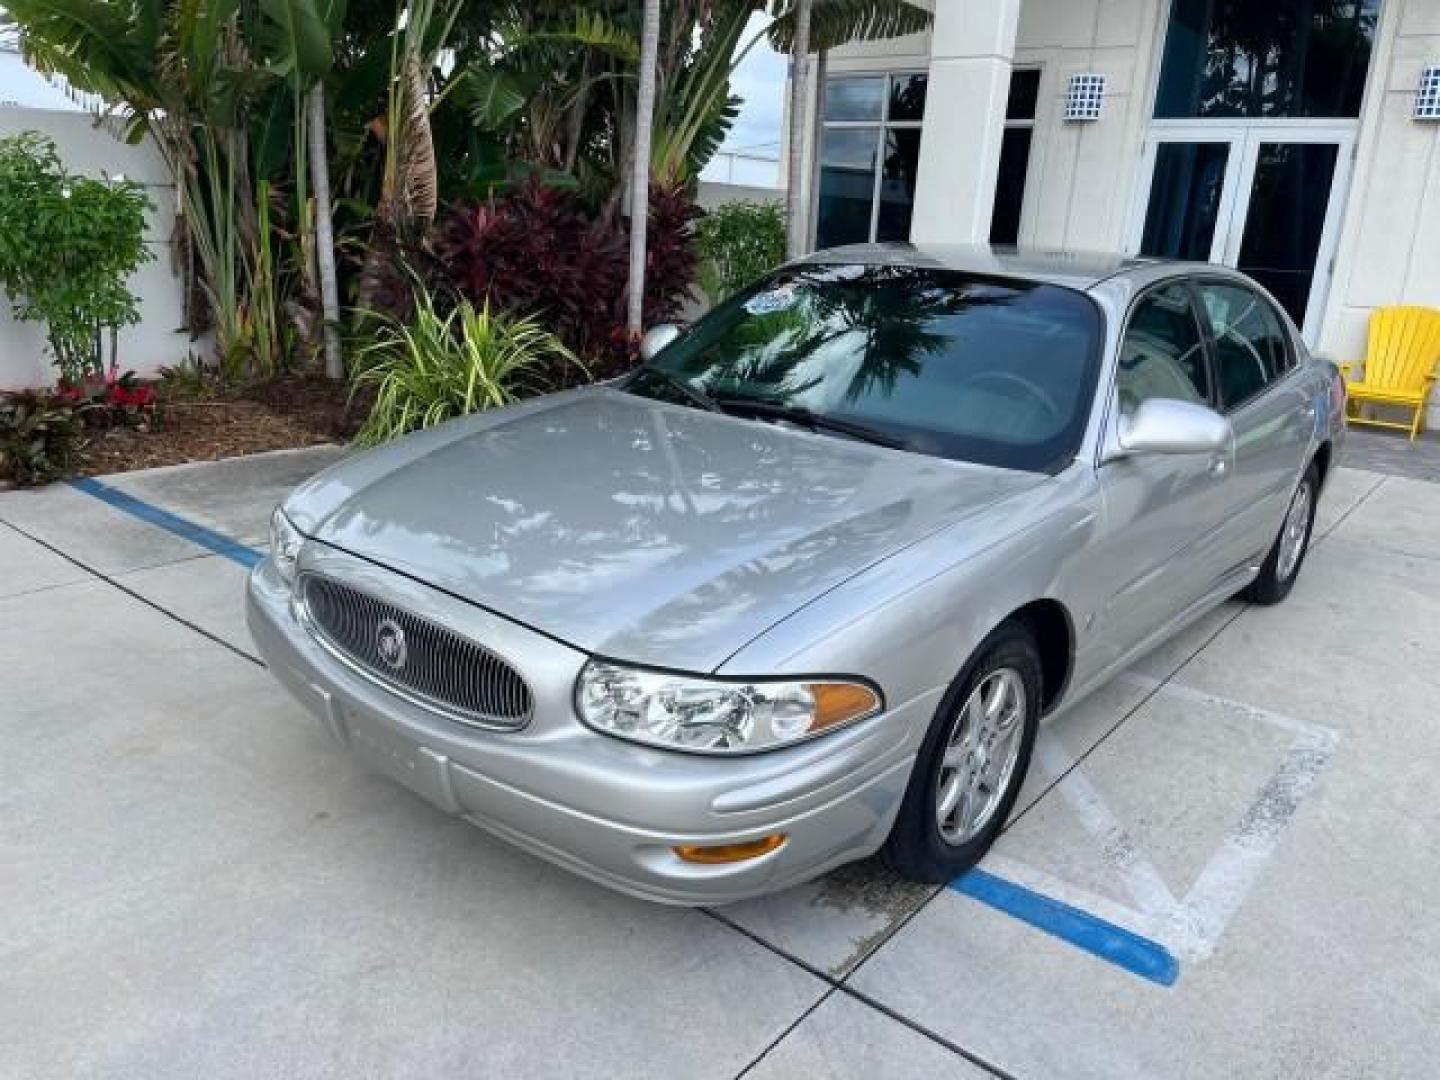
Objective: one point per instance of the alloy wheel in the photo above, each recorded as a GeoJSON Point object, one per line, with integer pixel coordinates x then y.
{"type": "Point", "coordinates": [1292, 536]}
{"type": "Point", "coordinates": [980, 756]}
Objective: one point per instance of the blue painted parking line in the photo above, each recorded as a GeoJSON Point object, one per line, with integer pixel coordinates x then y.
{"type": "Point", "coordinates": [1109, 942]}
{"type": "Point", "coordinates": [222, 545]}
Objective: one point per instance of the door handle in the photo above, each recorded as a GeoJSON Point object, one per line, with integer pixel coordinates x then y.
{"type": "Point", "coordinates": [1219, 465]}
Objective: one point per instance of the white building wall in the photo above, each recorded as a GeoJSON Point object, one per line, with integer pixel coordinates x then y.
{"type": "Point", "coordinates": [1390, 241]}
{"type": "Point", "coordinates": [159, 339]}
{"type": "Point", "coordinates": [1081, 180]}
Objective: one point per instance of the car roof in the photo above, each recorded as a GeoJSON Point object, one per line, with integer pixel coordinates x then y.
{"type": "Point", "coordinates": [1072, 269]}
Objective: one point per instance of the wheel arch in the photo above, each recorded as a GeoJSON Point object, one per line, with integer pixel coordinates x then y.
{"type": "Point", "coordinates": [1053, 631]}
{"type": "Point", "coordinates": [1324, 454]}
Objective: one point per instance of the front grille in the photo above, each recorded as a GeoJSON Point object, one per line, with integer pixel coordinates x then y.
{"type": "Point", "coordinates": [422, 660]}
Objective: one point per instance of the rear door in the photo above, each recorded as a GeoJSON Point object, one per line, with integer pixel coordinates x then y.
{"type": "Point", "coordinates": [1255, 374]}
{"type": "Point", "coordinates": [1164, 512]}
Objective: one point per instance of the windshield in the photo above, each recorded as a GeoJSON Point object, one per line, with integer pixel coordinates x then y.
{"type": "Point", "coordinates": [988, 370]}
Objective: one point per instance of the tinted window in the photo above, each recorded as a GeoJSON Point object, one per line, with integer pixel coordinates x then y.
{"type": "Point", "coordinates": [1185, 200]}
{"type": "Point", "coordinates": [897, 183]}
{"type": "Point", "coordinates": [1288, 201]}
{"type": "Point", "coordinates": [1024, 94]}
{"type": "Point", "coordinates": [1010, 185]}
{"type": "Point", "coordinates": [950, 364]}
{"type": "Point", "coordinates": [1163, 353]}
{"type": "Point", "coordinates": [1251, 349]}
{"type": "Point", "coordinates": [855, 99]}
{"type": "Point", "coordinates": [1270, 58]}
{"type": "Point", "coordinates": [907, 96]}
{"type": "Point", "coordinates": [847, 186]}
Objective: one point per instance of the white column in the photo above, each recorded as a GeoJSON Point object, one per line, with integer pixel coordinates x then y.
{"type": "Point", "coordinates": [972, 48]}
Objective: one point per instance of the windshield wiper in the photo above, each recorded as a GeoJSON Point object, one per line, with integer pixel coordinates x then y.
{"type": "Point", "coordinates": [799, 414]}
{"type": "Point", "coordinates": [690, 393]}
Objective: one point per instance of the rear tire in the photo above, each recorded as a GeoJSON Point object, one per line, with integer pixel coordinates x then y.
{"type": "Point", "coordinates": [1287, 554]}
{"type": "Point", "coordinates": [973, 762]}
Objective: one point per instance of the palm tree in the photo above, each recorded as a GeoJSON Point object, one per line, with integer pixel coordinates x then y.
{"type": "Point", "coordinates": [805, 26]}
{"type": "Point", "coordinates": [799, 83]}
{"type": "Point", "coordinates": [640, 172]}
{"type": "Point", "coordinates": [324, 231]}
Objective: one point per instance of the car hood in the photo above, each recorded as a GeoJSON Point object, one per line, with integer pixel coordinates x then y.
{"type": "Point", "coordinates": [636, 529]}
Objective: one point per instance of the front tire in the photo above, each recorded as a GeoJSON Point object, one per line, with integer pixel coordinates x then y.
{"type": "Point", "coordinates": [1287, 554]}
{"type": "Point", "coordinates": [973, 762]}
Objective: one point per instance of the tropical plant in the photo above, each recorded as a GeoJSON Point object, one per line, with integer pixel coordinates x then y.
{"type": "Point", "coordinates": [218, 85]}
{"type": "Point", "coordinates": [539, 251]}
{"type": "Point", "coordinates": [436, 367]}
{"type": "Point", "coordinates": [40, 434]}
{"type": "Point", "coordinates": [68, 247]}
{"type": "Point", "coordinates": [670, 257]}
{"type": "Point", "coordinates": [737, 243]}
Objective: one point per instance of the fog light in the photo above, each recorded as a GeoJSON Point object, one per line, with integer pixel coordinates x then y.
{"type": "Point", "coordinates": [730, 853]}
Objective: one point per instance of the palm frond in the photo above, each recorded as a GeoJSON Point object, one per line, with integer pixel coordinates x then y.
{"type": "Point", "coordinates": [98, 46]}
{"type": "Point", "coordinates": [836, 22]}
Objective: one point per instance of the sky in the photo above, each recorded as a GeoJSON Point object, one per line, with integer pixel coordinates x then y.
{"type": "Point", "coordinates": [760, 81]}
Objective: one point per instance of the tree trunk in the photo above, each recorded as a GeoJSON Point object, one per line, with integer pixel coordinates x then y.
{"type": "Point", "coordinates": [794, 166]}
{"type": "Point", "coordinates": [640, 173]}
{"type": "Point", "coordinates": [324, 232]}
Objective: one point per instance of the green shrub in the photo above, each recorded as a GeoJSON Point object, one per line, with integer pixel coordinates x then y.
{"type": "Point", "coordinates": [39, 435]}
{"type": "Point", "coordinates": [432, 368]}
{"type": "Point", "coordinates": [68, 245]}
{"type": "Point", "coordinates": [738, 242]}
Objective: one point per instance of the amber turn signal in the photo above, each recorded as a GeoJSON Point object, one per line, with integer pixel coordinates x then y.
{"type": "Point", "coordinates": [730, 853]}
{"type": "Point", "coordinates": [839, 703]}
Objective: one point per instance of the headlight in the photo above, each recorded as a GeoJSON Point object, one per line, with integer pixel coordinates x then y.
{"type": "Point", "coordinates": [285, 541]}
{"type": "Point", "coordinates": [686, 712]}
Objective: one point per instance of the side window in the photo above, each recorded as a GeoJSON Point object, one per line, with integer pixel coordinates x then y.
{"type": "Point", "coordinates": [1251, 347]}
{"type": "Point", "coordinates": [1162, 354]}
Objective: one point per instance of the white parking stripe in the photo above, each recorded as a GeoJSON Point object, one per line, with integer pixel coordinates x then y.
{"type": "Point", "coordinates": [1190, 926]}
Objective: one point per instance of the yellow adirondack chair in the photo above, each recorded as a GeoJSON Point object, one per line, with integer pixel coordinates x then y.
{"type": "Point", "coordinates": [1399, 366]}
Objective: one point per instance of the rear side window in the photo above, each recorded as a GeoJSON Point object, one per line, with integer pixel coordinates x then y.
{"type": "Point", "coordinates": [1251, 347]}
{"type": "Point", "coordinates": [1163, 352]}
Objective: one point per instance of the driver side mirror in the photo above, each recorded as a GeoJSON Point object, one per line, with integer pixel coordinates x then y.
{"type": "Point", "coordinates": [1168, 426]}
{"type": "Point", "coordinates": [656, 338]}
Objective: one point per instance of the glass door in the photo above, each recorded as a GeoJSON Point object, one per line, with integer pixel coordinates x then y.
{"type": "Point", "coordinates": [1193, 179]}
{"type": "Point", "coordinates": [1264, 199]}
{"type": "Point", "coordinates": [1286, 227]}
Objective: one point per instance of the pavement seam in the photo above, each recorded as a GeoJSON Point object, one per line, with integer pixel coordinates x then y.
{"type": "Point", "coordinates": [1355, 506]}
{"type": "Point", "coordinates": [135, 595]}
{"type": "Point", "coordinates": [42, 588]}
{"type": "Point", "coordinates": [839, 985]}
{"type": "Point", "coordinates": [829, 993]}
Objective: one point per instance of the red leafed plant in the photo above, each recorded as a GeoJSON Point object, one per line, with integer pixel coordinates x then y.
{"type": "Point", "coordinates": [538, 251]}
{"type": "Point", "coordinates": [111, 396]}
{"type": "Point", "coordinates": [670, 253]}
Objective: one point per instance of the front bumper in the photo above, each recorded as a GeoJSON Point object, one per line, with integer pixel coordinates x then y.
{"type": "Point", "coordinates": [601, 807]}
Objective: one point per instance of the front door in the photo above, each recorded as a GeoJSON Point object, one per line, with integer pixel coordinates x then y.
{"type": "Point", "coordinates": [1165, 513]}
{"type": "Point", "coordinates": [1263, 198]}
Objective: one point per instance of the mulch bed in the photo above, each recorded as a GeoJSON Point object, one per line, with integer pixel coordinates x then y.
{"type": "Point", "coordinates": [194, 423]}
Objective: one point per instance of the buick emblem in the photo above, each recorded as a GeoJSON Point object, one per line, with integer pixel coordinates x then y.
{"type": "Point", "coordinates": [390, 644]}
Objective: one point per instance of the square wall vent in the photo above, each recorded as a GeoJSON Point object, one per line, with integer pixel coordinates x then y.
{"type": "Point", "coordinates": [1085, 96]}
{"type": "Point", "coordinates": [1427, 95]}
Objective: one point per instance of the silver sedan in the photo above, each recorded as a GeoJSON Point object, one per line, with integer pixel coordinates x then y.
{"type": "Point", "coordinates": [801, 588]}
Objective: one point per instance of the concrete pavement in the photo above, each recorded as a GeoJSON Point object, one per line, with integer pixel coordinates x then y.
{"type": "Point", "coordinates": [195, 881]}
